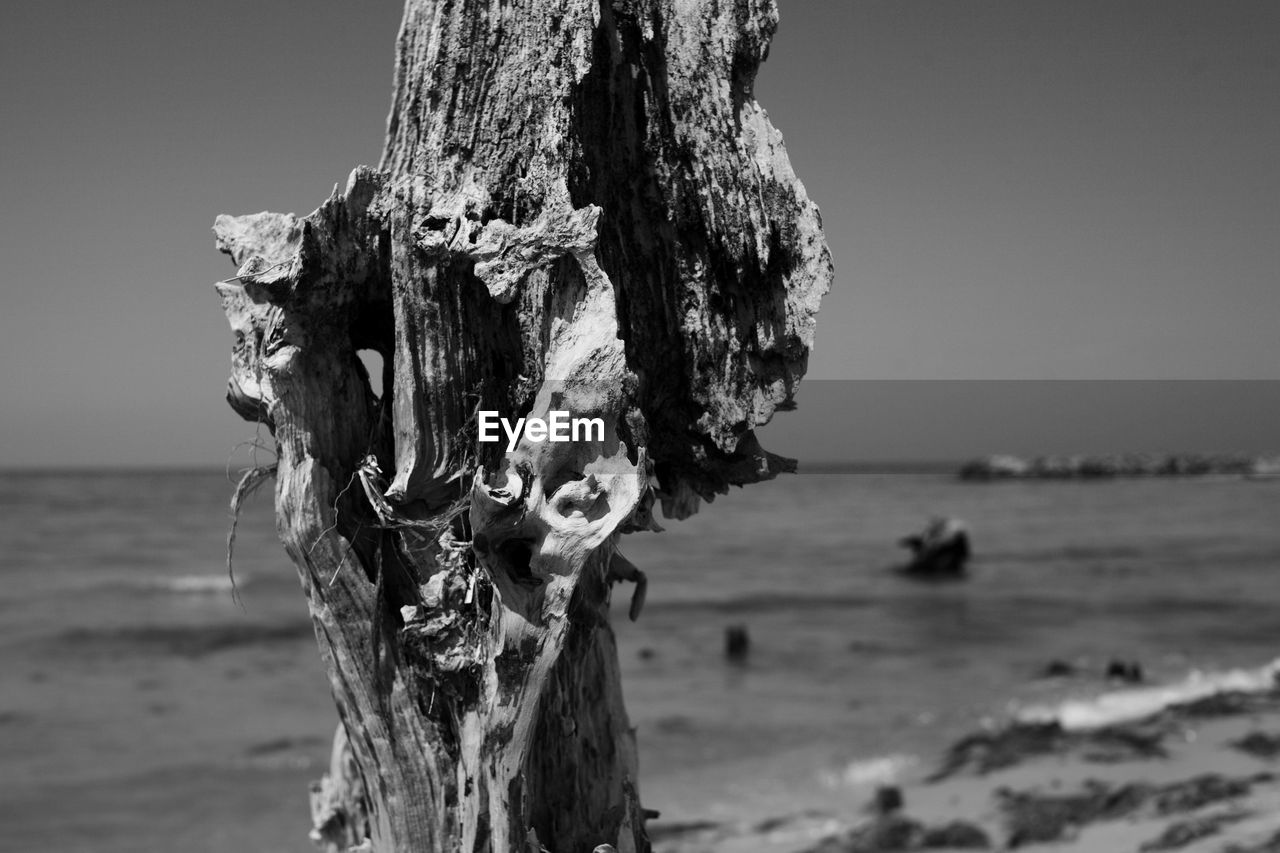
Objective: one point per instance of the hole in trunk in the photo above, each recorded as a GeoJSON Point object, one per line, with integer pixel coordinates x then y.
{"type": "Point", "coordinates": [372, 361]}
{"type": "Point", "coordinates": [517, 557]}
{"type": "Point", "coordinates": [564, 475]}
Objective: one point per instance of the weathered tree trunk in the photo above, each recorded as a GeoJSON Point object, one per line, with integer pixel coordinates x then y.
{"type": "Point", "coordinates": [580, 207]}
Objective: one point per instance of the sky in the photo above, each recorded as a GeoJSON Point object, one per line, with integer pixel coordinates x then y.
{"type": "Point", "coordinates": [1012, 190]}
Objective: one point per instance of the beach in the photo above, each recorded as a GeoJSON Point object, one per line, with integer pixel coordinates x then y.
{"type": "Point", "coordinates": [143, 708]}
{"type": "Point", "coordinates": [1197, 774]}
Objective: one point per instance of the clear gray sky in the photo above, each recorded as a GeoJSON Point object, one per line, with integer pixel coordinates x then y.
{"type": "Point", "coordinates": [1012, 189]}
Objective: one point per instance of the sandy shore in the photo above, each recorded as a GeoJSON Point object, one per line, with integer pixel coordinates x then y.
{"type": "Point", "coordinates": [1198, 773]}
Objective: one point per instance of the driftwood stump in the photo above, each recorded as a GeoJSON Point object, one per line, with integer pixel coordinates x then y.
{"type": "Point", "coordinates": [580, 207]}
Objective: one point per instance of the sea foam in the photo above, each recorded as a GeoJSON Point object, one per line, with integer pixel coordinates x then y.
{"type": "Point", "coordinates": [884, 770]}
{"type": "Point", "coordinates": [194, 584]}
{"type": "Point", "coordinates": [1128, 705]}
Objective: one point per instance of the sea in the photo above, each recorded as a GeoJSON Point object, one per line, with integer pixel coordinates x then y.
{"type": "Point", "coordinates": [145, 705]}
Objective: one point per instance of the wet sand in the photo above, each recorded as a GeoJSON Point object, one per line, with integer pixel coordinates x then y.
{"type": "Point", "coordinates": [1197, 776]}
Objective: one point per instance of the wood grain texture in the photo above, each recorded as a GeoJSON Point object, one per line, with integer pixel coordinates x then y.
{"type": "Point", "coordinates": [580, 207]}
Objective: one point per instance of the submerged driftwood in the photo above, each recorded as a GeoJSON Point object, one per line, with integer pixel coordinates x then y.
{"type": "Point", "coordinates": [580, 207]}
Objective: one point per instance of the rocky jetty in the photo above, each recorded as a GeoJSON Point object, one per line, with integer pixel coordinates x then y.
{"type": "Point", "coordinates": [1080, 467]}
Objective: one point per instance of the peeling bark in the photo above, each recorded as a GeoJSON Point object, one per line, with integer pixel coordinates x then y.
{"type": "Point", "coordinates": [580, 207]}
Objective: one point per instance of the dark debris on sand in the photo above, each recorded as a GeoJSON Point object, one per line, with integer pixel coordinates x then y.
{"type": "Point", "coordinates": [1270, 845]}
{"type": "Point", "coordinates": [1032, 817]}
{"type": "Point", "coordinates": [893, 830]}
{"type": "Point", "coordinates": [1259, 745]}
{"type": "Point", "coordinates": [1184, 832]}
{"type": "Point", "coordinates": [987, 752]}
{"type": "Point", "coordinates": [897, 832]}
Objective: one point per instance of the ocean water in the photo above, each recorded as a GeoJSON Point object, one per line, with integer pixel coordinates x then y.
{"type": "Point", "coordinates": [143, 709]}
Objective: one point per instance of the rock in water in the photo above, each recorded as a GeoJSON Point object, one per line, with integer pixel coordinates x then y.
{"type": "Point", "coordinates": [942, 550]}
{"type": "Point", "coordinates": [737, 643]}
{"type": "Point", "coordinates": [1130, 672]}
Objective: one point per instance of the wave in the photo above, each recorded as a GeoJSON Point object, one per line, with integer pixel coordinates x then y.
{"type": "Point", "coordinates": [196, 584]}
{"type": "Point", "coordinates": [192, 641]}
{"type": "Point", "coordinates": [1138, 703]}
{"type": "Point", "coordinates": [864, 773]}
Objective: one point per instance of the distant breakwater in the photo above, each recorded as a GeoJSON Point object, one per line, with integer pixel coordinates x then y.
{"type": "Point", "coordinates": [1080, 467]}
